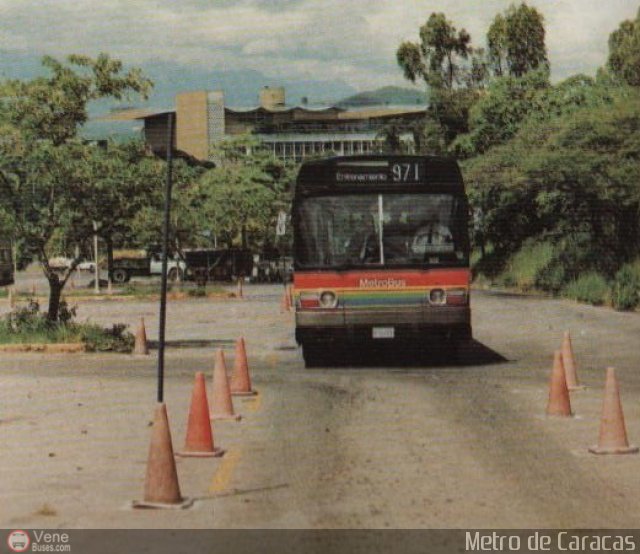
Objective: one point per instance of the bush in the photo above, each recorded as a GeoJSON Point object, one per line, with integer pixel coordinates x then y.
{"type": "Point", "coordinates": [28, 325]}
{"type": "Point", "coordinates": [99, 339]}
{"type": "Point", "coordinates": [591, 287]}
{"type": "Point", "coordinates": [625, 293]}
{"type": "Point", "coordinates": [525, 266]}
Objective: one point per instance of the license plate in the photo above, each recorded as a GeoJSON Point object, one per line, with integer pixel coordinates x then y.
{"type": "Point", "coordinates": [383, 332]}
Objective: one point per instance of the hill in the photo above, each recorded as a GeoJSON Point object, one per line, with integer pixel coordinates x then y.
{"type": "Point", "coordinates": [389, 95]}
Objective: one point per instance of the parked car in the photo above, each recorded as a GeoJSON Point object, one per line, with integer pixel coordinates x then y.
{"type": "Point", "coordinates": [87, 266]}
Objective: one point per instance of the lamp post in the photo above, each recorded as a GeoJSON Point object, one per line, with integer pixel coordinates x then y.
{"type": "Point", "coordinates": [165, 247]}
{"type": "Point", "coordinates": [96, 280]}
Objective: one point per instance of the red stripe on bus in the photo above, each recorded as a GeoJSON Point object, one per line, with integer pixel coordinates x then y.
{"type": "Point", "coordinates": [382, 279]}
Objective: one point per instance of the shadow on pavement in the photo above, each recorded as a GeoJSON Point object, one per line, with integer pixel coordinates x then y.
{"type": "Point", "coordinates": [472, 353]}
{"type": "Point", "coordinates": [192, 343]}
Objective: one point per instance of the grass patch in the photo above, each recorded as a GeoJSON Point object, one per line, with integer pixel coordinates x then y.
{"type": "Point", "coordinates": [625, 291]}
{"type": "Point", "coordinates": [523, 268]}
{"type": "Point", "coordinates": [591, 288]}
{"type": "Point", "coordinates": [27, 325]}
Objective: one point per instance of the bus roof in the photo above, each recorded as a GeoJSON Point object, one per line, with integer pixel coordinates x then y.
{"type": "Point", "coordinates": [373, 172]}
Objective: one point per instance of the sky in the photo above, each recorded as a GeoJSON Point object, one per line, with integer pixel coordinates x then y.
{"type": "Point", "coordinates": [349, 40]}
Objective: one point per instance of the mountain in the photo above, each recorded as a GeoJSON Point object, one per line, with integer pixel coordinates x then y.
{"type": "Point", "coordinates": [389, 95]}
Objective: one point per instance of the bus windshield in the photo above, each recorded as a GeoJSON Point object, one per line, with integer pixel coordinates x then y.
{"type": "Point", "coordinates": [374, 230]}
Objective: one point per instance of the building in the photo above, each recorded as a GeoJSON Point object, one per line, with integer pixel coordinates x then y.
{"type": "Point", "coordinates": [290, 132]}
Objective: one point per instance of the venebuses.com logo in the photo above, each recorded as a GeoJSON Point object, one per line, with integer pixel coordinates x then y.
{"type": "Point", "coordinates": [39, 541]}
{"type": "Point", "coordinates": [18, 540]}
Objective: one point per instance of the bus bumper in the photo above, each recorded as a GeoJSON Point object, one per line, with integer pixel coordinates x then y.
{"type": "Point", "coordinates": [452, 322]}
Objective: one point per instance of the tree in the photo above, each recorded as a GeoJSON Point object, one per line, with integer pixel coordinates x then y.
{"type": "Point", "coordinates": [440, 60]}
{"type": "Point", "coordinates": [516, 42]}
{"type": "Point", "coordinates": [624, 52]}
{"type": "Point", "coordinates": [571, 180]}
{"type": "Point", "coordinates": [238, 201]}
{"type": "Point", "coordinates": [437, 57]}
{"type": "Point", "coordinates": [43, 169]}
{"type": "Point", "coordinates": [122, 180]}
{"type": "Point", "coordinates": [511, 102]}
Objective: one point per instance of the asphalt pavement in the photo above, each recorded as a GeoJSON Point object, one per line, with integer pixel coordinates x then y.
{"type": "Point", "coordinates": [387, 443]}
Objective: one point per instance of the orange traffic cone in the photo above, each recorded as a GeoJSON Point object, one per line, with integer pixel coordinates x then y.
{"type": "Point", "coordinates": [613, 433]}
{"type": "Point", "coordinates": [199, 441]}
{"type": "Point", "coordinates": [240, 380]}
{"type": "Point", "coordinates": [161, 487]}
{"type": "Point", "coordinates": [221, 402]}
{"type": "Point", "coordinates": [559, 404]}
{"type": "Point", "coordinates": [140, 347]}
{"type": "Point", "coordinates": [569, 363]}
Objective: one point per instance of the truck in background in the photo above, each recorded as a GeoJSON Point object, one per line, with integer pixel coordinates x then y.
{"type": "Point", "coordinates": [143, 263]}
{"type": "Point", "coordinates": [210, 264]}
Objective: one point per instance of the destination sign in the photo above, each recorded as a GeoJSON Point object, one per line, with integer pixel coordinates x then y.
{"type": "Point", "coordinates": [380, 173]}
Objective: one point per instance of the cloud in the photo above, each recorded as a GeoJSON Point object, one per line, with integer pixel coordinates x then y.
{"type": "Point", "coordinates": [355, 41]}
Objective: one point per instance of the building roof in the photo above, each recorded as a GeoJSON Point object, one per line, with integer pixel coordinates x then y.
{"type": "Point", "coordinates": [380, 111]}
{"type": "Point", "coordinates": [341, 113]}
{"type": "Point", "coordinates": [133, 114]}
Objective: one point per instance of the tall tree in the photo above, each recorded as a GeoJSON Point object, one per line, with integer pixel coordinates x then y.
{"type": "Point", "coordinates": [42, 166]}
{"type": "Point", "coordinates": [238, 201]}
{"type": "Point", "coordinates": [624, 52]}
{"type": "Point", "coordinates": [436, 58]}
{"type": "Point", "coordinates": [516, 42]}
{"type": "Point", "coordinates": [440, 59]}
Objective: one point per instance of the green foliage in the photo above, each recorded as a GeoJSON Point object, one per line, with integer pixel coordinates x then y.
{"type": "Point", "coordinates": [54, 107]}
{"type": "Point", "coordinates": [238, 201]}
{"type": "Point", "coordinates": [523, 269]}
{"type": "Point", "coordinates": [28, 325]}
{"type": "Point", "coordinates": [45, 172]}
{"type": "Point", "coordinates": [436, 57]}
{"type": "Point", "coordinates": [498, 115]}
{"type": "Point", "coordinates": [625, 292]}
{"type": "Point", "coordinates": [516, 41]}
{"type": "Point", "coordinates": [100, 339]}
{"type": "Point", "coordinates": [591, 287]}
{"type": "Point", "coordinates": [574, 178]}
{"type": "Point", "coordinates": [624, 52]}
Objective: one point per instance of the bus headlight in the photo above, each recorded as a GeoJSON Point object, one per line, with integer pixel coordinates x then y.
{"type": "Point", "coordinates": [328, 299]}
{"type": "Point", "coordinates": [437, 296]}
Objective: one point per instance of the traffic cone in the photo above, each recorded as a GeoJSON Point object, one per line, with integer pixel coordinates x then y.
{"type": "Point", "coordinates": [221, 402]}
{"type": "Point", "coordinates": [239, 288]}
{"type": "Point", "coordinates": [559, 403]}
{"type": "Point", "coordinates": [240, 380]}
{"type": "Point", "coordinates": [199, 441]}
{"type": "Point", "coordinates": [568, 360]}
{"type": "Point", "coordinates": [140, 348]}
{"type": "Point", "coordinates": [613, 432]}
{"type": "Point", "coordinates": [161, 487]}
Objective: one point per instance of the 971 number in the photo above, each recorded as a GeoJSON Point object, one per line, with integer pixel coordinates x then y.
{"type": "Point", "coordinates": [405, 172]}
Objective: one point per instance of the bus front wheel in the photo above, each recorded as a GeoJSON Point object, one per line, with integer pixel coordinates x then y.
{"type": "Point", "coordinates": [314, 354]}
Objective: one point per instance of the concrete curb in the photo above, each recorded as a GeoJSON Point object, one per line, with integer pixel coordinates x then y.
{"type": "Point", "coordinates": [48, 348]}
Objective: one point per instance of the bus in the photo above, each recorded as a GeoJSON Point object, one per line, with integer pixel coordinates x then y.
{"type": "Point", "coordinates": [6, 263]}
{"type": "Point", "coordinates": [381, 255]}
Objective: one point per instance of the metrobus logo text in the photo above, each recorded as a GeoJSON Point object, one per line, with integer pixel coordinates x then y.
{"type": "Point", "coordinates": [382, 283]}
